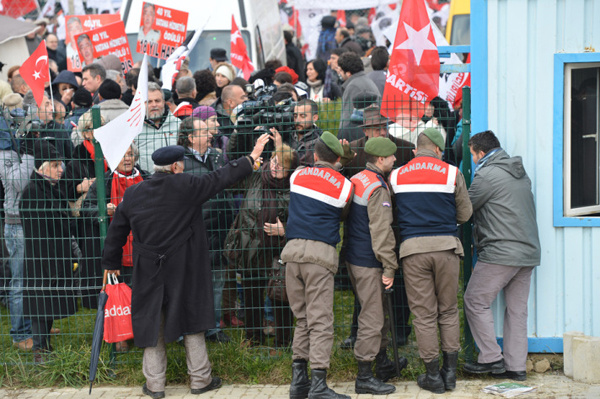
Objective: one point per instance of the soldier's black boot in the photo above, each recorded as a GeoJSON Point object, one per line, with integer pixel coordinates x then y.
{"type": "Point", "coordinates": [366, 383]}
{"type": "Point", "coordinates": [448, 371]}
{"type": "Point", "coordinates": [319, 388]}
{"type": "Point", "coordinates": [385, 369]}
{"type": "Point", "coordinates": [300, 382]}
{"type": "Point", "coordinates": [432, 380]}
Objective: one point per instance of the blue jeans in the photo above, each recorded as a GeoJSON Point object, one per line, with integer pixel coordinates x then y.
{"type": "Point", "coordinates": [15, 242]}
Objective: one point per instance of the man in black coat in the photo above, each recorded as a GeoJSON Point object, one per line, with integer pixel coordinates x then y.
{"type": "Point", "coordinates": [172, 293]}
{"type": "Point", "coordinates": [295, 59]}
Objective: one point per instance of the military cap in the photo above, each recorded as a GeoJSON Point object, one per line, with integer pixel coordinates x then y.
{"type": "Point", "coordinates": [435, 136]}
{"type": "Point", "coordinates": [333, 143]}
{"type": "Point", "coordinates": [380, 147]}
{"type": "Point", "coordinates": [168, 155]}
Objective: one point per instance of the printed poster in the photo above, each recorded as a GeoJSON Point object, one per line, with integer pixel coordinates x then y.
{"type": "Point", "coordinates": [77, 24]}
{"type": "Point", "coordinates": [109, 39]}
{"type": "Point", "coordinates": [162, 30]}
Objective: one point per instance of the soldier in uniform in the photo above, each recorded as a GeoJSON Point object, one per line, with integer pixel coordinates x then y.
{"type": "Point", "coordinates": [432, 198]}
{"type": "Point", "coordinates": [319, 198]}
{"type": "Point", "coordinates": [371, 260]}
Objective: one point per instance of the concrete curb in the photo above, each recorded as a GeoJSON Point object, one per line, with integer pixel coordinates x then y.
{"type": "Point", "coordinates": [549, 386]}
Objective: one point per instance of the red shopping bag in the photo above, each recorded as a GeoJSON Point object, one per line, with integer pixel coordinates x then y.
{"type": "Point", "coordinates": [117, 312]}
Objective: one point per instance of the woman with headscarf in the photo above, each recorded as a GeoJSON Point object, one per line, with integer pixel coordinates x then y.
{"type": "Point", "coordinates": [316, 71]}
{"type": "Point", "coordinates": [257, 239]}
{"type": "Point", "coordinates": [64, 87]}
{"type": "Point", "coordinates": [224, 75]}
{"type": "Point", "coordinates": [49, 291]}
{"type": "Point", "coordinates": [115, 183]}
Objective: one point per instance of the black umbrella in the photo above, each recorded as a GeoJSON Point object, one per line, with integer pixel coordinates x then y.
{"type": "Point", "coordinates": [388, 294]}
{"type": "Point", "coordinates": [98, 335]}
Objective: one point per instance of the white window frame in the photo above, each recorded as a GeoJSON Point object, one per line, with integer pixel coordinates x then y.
{"type": "Point", "coordinates": [569, 211]}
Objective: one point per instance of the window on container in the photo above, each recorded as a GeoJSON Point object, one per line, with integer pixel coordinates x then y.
{"type": "Point", "coordinates": [581, 127]}
{"type": "Point", "coordinates": [461, 30]}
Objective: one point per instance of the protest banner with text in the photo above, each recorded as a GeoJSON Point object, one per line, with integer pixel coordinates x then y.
{"type": "Point", "coordinates": [162, 30]}
{"type": "Point", "coordinates": [78, 24]}
{"type": "Point", "coordinates": [109, 39]}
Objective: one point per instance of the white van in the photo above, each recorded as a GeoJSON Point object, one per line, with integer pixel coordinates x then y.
{"type": "Point", "coordinates": [258, 21]}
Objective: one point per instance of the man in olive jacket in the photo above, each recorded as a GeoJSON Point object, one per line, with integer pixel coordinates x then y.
{"type": "Point", "coordinates": [506, 237]}
{"type": "Point", "coordinates": [172, 293]}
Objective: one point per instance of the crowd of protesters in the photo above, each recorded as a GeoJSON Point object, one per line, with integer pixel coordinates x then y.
{"type": "Point", "coordinates": [279, 214]}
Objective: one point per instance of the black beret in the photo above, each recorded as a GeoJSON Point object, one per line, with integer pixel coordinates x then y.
{"type": "Point", "coordinates": [168, 155]}
{"type": "Point", "coordinates": [218, 54]}
{"type": "Point", "coordinates": [110, 90]}
{"type": "Point", "coordinates": [82, 98]}
{"type": "Point", "coordinates": [44, 151]}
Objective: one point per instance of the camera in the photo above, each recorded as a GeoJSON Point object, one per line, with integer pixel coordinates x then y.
{"type": "Point", "coordinates": [261, 113]}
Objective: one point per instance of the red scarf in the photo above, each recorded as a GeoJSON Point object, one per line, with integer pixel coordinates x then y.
{"type": "Point", "coordinates": [89, 146]}
{"type": "Point", "coordinates": [120, 183]}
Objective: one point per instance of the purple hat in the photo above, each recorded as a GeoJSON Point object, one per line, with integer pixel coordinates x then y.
{"type": "Point", "coordinates": [204, 112]}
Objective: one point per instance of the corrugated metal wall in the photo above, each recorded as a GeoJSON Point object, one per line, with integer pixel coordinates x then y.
{"type": "Point", "coordinates": [523, 37]}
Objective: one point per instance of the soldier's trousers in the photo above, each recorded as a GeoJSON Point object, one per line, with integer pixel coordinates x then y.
{"type": "Point", "coordinates": [310, 293]}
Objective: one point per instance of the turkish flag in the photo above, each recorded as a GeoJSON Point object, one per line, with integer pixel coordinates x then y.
{"type": "Point", "coordinates": [35, 72]}
{"type": "Point", "coordinates": [413, 75]}
{"type": "Point", "coordinates": [239, 54]}
{"type": "Point", "coordinates": [341, 18]}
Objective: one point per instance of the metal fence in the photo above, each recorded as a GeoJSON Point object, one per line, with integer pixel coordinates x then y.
{"type": "Point", "coordinates": [55, 234]}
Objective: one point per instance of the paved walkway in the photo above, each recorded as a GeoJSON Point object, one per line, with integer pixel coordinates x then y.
{"type": "Point", "coordinates": [549, 386]}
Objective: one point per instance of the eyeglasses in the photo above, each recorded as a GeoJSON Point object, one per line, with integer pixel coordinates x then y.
{"type": "Point", "coordinates": [276, 165]}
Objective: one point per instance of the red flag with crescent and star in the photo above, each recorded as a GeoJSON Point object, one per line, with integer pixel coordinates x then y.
{"type": "Point", "coordinates": [35, 72]}
{"type": "Point", "coordinates": [414, 72]}
{"type": "Point", "coordinates": [238, 52]}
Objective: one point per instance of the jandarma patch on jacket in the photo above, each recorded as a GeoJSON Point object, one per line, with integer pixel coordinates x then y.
{"type": "Point", "coordinates": [386, 204]}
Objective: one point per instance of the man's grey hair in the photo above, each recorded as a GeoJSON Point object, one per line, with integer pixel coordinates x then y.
{"type": "Point", "coordinates": [153, 86]}
{"type": "Point", "coordinates": [165, 168]}
{"type": "Point", "coordinates": [113, 75]}
{"type": "Point", "coordinates": [185, 85]}
{"type": "Point", "coordinates": [16, 83]}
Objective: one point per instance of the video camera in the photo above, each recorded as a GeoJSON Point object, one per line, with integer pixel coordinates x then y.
{"type": "Point", "coordinates": [262, 111]}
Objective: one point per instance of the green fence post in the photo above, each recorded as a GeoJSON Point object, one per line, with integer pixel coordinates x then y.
{"type": "Point", "coordinates": [469, 344]}
{"type": "Point", "coordinates": [101, 193]}
{"type": "Point", "coordinates": [100, 185]}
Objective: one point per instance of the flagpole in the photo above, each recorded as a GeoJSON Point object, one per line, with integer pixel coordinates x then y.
{"type": "Point", "coordinates": [51, 92]}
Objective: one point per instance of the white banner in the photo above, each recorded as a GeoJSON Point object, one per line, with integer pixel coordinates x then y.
{"type": "Point", "coordinates": [116, 137]}
{"type": "Point", "coordinates": [310, 20]}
